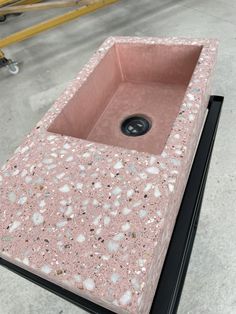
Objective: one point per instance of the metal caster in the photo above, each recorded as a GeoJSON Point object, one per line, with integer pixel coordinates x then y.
{"type": "Point", "coordinates": [13, 67]}
{"type": "Point", "coordinates": [3, 18]}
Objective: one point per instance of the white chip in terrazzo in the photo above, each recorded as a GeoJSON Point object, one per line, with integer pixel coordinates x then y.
{"type": "Point", "coordinates": [113, 246]}
{"type": "Point", "coordinates": [125, 227]}
{"type": "Point", "coordinates": [69, 159]}
{"type": "Point", "coordinates": [77, 278]}
{"type": "Point", "coordinates": [130, 192]}
{"type": "Point", "coordinates": [126, 211]}
{"type": "Point", "coordinates": [46, 269]}
{"type": "Point", "coordinates": [61, 224]}
{"type": "Point", "coordinates": [22, 200]}
{"type": "Point", "coordinates": [153, 170]}
{"type": "Point", "coordinates": [79, 186]}
{"type": "Point", "coordinates": [60, 175]}
{"type": "Point", "coordinates": [147, 187]}
{"type": "Point", "coordinates": [152, 160]}
{"type": "Point", "coordinates": [66, 146]}
{"type": "Point", "coordinates": [14, 226]}
{"type": "Point", "coordinates": [65, 188]}
{"type": "Point", "coordinates": [142, 213]}
{"type": "Point", "coordinates": [12, 197]}
{"type": "Point", "coordinates": [157, 192]}
{"type": "Point", "coordinates": [171, 187]}
{"type": "Point", "coordinates": [115, 277]}
{"type": "Point", "coordinates": [118, 165]}
{"type": "Point", "coordinates": [97, 185]}
{"type": "Point", "coordinates": [126, 298]}
{"type": "Point", "coordinates": [42, 204]}
{"type": "Point", "coordinates": [119, 237]}
{"type": "Point", "coordinates": [48, 161]}
{"type": "Point", "coordinates": [107, 220]}
{"type": "Point", "coordinates": [81, 238]}
{"type": "Point", "coordinates": [37, 218]}
{"type": "Point", "coordinates": [89, 284]}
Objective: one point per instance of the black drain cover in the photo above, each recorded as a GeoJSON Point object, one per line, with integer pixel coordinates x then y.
{"type": "Point", "coordinates": [135, 126]}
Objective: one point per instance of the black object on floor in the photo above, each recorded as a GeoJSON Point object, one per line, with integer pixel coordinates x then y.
{"type": "Point", "coordinates": [173, 274]}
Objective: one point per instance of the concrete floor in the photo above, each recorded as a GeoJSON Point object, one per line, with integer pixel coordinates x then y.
{"type": "Point", "coordinates": [50, 60]}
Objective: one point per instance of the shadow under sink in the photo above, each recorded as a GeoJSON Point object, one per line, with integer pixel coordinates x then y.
{"type": "Point", "coordinates": [132, 98]}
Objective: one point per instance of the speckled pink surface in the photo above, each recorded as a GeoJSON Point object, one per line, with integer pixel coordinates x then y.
{"type": "Point", "coordinates": [97, 219]}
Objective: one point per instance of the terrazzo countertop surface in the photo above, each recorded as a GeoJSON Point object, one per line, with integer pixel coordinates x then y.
{"type": "Point", "coordinates": [98, 219]}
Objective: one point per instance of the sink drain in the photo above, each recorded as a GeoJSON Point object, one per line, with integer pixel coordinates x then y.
{"type": "Point", "coordinates": [135, 126]}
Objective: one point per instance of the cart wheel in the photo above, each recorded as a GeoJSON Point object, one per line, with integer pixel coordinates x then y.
{"type": "Point", "coordinates": [3, 18]}
{"type": "Point", "coordinates": [13, 68]}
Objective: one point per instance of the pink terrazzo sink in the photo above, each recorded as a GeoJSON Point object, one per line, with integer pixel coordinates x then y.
{"type": "Point", "coordinates": [131, 80]}
{"type": "Point", "coordinates": [84, 201]}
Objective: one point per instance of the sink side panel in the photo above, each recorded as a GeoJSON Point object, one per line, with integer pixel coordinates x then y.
{"type": "Point", "coordinates": [168, 64]}
{"type": "Point", "coordinates": [84, 109]}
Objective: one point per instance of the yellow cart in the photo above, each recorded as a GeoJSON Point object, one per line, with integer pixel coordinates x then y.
{"type": "Point", "coordinates": [8, 7]}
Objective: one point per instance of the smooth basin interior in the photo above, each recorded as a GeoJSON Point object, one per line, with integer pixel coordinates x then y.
{"type": "Point", "coordinates": [131, 80]}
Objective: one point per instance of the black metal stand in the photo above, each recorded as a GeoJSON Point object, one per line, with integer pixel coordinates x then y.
{"type": "Point", "coordinates": [173, 274]}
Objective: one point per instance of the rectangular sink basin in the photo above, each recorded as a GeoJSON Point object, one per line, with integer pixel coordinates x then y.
{"type": "Point", "coordinates": [90, 198]}
{"type": "Point", "coordinates": [143, 83]}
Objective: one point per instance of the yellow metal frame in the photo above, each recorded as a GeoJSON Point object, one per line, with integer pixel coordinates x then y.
{"type": "Point", "coordinates": [23, 2]}
{"type": "Point", "coordinates": [4, 2]}
{"type": "Point", "coordinates": [87, 7]}
{"type": "Point", "coordinates": [2, 56]}
{"type": "Point", "coordinates": [19, 8]}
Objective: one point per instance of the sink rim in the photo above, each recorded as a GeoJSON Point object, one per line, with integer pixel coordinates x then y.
{"type": "Point", "coordinates": [63, 100]}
